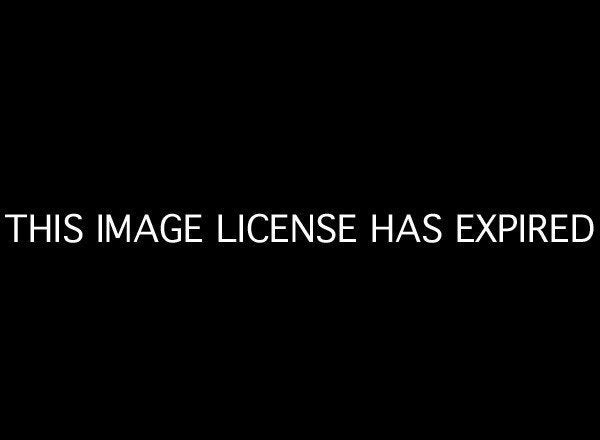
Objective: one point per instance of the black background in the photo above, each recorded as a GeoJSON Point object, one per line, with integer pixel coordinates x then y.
{"type": "Point", "coordinates": [386, 112]}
